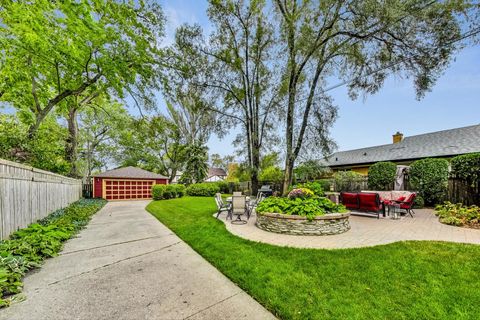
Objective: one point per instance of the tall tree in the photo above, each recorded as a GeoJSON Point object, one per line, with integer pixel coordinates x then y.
{"type": "Point", "coordinates": [360, 42]}
{"type": "Point", "coordinates": [196, 166]}
{"type": "Point", "coordinates": [55, 51]}
{"type": "Point", "coordinates": [238, 70]}
{"type": "Point", "coordinates": [100, 128]}
{"type": "Point", "coordinates": [155, 144]}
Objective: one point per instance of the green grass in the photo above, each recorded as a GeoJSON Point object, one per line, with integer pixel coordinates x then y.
{"type": "Point", "coordinates": [404, 280]}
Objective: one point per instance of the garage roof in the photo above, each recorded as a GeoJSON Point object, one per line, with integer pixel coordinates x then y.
{"type": "Point", "coordinates": [129, 173]}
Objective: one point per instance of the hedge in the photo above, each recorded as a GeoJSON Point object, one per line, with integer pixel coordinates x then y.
{"type": "Point", "coordinates": [467, 167]}
{"type": "Point", "coordinates": [381, 176]}
{"type": "Point", "coordinates": [430, 178]}
{"type": "Point", "coordinates": [27, 248]}
{"type": "Point", "coordinates": [205, 189]}
{"type": "Point", "coordinates": [170, 191]}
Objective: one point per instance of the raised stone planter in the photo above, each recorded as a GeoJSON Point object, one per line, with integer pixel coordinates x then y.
{"type": "Point", "coordinates": [334, 223]}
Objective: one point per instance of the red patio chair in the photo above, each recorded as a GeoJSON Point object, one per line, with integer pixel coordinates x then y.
{"type": "Point", "coordinates": [407, 204]}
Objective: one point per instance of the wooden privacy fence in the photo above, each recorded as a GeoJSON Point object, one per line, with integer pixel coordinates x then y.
{"type": "Point", "coordinates": [28, 194]}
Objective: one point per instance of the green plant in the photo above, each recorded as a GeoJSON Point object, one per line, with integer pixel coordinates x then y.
{"type": "Point", "coordinates": [224, 186]}
{"type": "Point", "coordinates": [302, 193]}
{"type": "Point", "coordinates": [170, 192]}
{"type": "Point", "coordinates": [158, 190]}
{"type": "Point", "coordinates": [307, 207]}
{"type": "Point", "coordinates": [325, 184]}
{"type": "Point", "coordinates": [316, 187]}
{"type": "Point", "coordinates": [348, 181]}
{"type": "Point", "coordinates": [418, 203]}
{"type": "Point", "coordinates": [179, 189]}
{"type": "Point", "coordinates": [203, 189]}
{"type": "Point", "coordinates": [430, 178]}
{"type": "Point", "coordinates": [271, 174]}
{"type": "Point", "coordinates": [381, 176]}
{"type": "Point", "coordinates": [467, 167]}
{"type": "Point", "coordinates": [27, 248]}
{"type": "Point", "coordinates": [459, 215]}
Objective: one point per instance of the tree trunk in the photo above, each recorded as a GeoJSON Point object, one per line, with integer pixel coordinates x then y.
{"type": "Point", "coordinates": [287, 181]}
{"type": "Point", "coordinates": [71, 147]}
{"type": "Point", "coordinates": [173, 173]}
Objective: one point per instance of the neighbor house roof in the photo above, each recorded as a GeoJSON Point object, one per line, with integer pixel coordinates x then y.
{"type": "Point", "coordinates": [216, 172]}
{"type": "Point", "coordinates": [435, 144]}
{"type": "Point", "coordinates": [129, 172]}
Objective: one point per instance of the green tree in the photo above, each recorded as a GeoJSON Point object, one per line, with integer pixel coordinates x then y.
{"type": "Point", "coordinates": [381, 176]}
{"type": "Point", "coordinates": [155, 144]}
{"type": "Point", "coordinates": [45, 151]}
{"type": "Point", "coordinates": [217, 161]}
{"type": "Point", "coordinates": [58, 53]}
{"type": "Point", "coordinates": [271, 174]}
{"type": "Point", "coordinates": [311, 170]}
{"type": "Point", "coordinates": [196, 166]}
{"type": "Point", "coordinates": [360, 43]}
{"type": "Point", "coordinates": [100, 128]}
{"type": "Point", "coordinates": [430, 178]}
{"type": "Point", "coordinates": [237, 67]}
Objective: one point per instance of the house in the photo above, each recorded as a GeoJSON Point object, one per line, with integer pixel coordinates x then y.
{"type": "Point", "coordinates": [127, 183]}
{"type": "Point", "coordinates": [216, 174]}
{"type": "Point", "coordinates": [403, 151]}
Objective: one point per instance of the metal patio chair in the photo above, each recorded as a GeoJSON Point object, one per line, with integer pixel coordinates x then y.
{"type": "Point", "coordinates": [221, 206]}
{"type": "Point", "coordinates": [239, 208]}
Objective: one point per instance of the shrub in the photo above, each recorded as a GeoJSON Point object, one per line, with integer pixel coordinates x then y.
{"type": "Point", "coordinates": [348, 181]}
{"type": "Point", "coordinates": [271, 174]}
{"type": "Point", "coordinates": [467, 167]}
{"type": "Point", "coordinates": [28, 247]}
{"type": "Point", "coordinates": [179, 189]}
{"type": "Point", "coordinates": [315, 187]}
{"type": "Point", "coordinates": [158, 191]}
{"type": "Point", "coordinates": [325, 184]}
{"type": "Point", "coordinates": [381, 176]}
{"type": "Point", "coordinates": [202, 189]}
{"type": "Point", "coordinates": [430, 178]}
{"type": "Point", "coordinates": [458, 214]}
{"type": "Point", "coordinates": [170, 192]}
{"type": "Point", "coordinates": [309, 207]}
{"type": "Point", "coordinates": [418, 203]}
{"type": "Point", "coordinates": [224, 186]}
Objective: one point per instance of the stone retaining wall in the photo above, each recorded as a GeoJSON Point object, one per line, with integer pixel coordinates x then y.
{"type": "Point", "coordinates": [320, 226]}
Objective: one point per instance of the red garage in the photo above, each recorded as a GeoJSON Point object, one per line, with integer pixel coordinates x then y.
{"type": "Point", "coordinates": [128, 183]}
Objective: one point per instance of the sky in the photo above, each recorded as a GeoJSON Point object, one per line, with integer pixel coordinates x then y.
{"type": "Point", "coordinates": [453, 102]}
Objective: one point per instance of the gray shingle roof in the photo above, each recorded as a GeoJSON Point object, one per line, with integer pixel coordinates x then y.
{"type": "Point", "coordinates": [130, 172]}
{"type": "Point", "coordinates": [216, 172]}
{"type": "Point", "coordinates": [435, 144]}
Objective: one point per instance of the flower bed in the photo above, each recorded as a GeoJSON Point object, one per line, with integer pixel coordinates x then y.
{"type": "Point", "coordinates": [302, 213]}
{"type": "Point", "coordinates": [458, 215]}
{"type": "Point", "coordinates": [27, 248]}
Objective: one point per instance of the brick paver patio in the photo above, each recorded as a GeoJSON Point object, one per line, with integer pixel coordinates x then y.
{"type": "Point", "coordinates": [365, 231]}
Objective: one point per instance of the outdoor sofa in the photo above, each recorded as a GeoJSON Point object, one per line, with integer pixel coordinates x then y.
{"type": "Point", "coordinates": [375, 202]}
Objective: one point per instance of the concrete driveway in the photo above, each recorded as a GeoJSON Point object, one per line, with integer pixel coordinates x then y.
{"type": "Point", "coordinates": [127, 265]}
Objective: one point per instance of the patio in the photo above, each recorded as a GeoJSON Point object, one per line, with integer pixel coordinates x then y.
{"type": "Point", "coordinates": [365, 231]}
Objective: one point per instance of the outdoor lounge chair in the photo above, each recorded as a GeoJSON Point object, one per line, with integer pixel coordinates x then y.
{"type": "Point", "coordinates": [221, 206]}
{"type": "Point", "coordinates": [239, 208]}
{"type": "Point", "coordinates": [407, 204]}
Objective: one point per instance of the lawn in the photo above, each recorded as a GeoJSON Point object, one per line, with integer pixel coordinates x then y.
{"type": "Point", "coordinates": [405, 280]}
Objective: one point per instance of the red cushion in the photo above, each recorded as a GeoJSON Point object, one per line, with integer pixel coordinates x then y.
{"type": "Point", "coordinates": [402, 198]}
{"type": "Point", "coordinates": [369, 201]}
{"type": "Point", "coordinates": [349, 200]}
